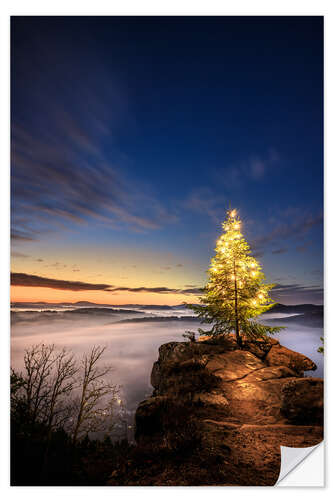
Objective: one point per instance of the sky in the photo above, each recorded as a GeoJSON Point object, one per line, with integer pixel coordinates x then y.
{"type": "Point", "coordinates": [132, 136]}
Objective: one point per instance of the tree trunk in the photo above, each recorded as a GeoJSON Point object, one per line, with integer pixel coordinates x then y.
{"type": "Point", "coordinates": [238, 337]}
{"type": "Point", "coordinates": [79, 417]}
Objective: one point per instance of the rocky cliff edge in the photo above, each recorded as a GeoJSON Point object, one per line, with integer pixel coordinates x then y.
{"type": "Point", "coordinates": [226, 410]}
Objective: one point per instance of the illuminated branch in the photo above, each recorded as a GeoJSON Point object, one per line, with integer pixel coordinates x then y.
{"type": "Point", "coordinates": [236, 291]}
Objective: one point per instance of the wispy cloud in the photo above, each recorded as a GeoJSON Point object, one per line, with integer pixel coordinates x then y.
{"type": "Point", "coordinates": [254, 168]}
{"type": "Point", "coordinates": [31, 280]}
{"type": "Point", "coordinates": [285, 230]}
{"type": "Point", "coordinates": [157, 289]}
{"type": "Point", "coordinates": [22, 279]}
{"type": "Point", "coordinates": [279, 251]}
{"type": "Point", "coordinates": [19, 255]}
{"type": "Point", "coordinates": [284, 293]}
{"type": "Point", "coordinates": [19, 235]}
{"type": "Point", "coordinates": [257, 254]}
{"type": "Point", "coordinates": [65, 168]}
{"type": "Point", "coordinates": [297, 288]}
{"type": "Point", "coordinates": [162, 290]}
{"type": "Point", "coordinates": [207, 202]}
{"type": "Point", "coordinates": [193, 291]}
{"type": "Point", "coordinates": [204, 201]}
{"type": "Point", "coordinates": [53, 183]}
{"type": "Point", "coordinates": [169, 267]}
{"type": "Point", "coordinates": [316, 272]}
{"type": "Point", "coordinates": [298, 293]}
{"type": "Point", "coordinates": [57, 265]}
{"type": "Point", "coordinates": [303, 248]}
{"type": "Point", "coordinates": [257, 168]}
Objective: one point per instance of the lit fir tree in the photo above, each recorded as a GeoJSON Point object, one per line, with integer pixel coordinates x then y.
{"type": "Point", "coordinates": [236, 292]}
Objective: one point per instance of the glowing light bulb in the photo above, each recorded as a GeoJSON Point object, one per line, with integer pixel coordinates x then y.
{"type": "Point", "coordinates": [233, 213]}
{"type": "Point", "coordinates": [260, 296]}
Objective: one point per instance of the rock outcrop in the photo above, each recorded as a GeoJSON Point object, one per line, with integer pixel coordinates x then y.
{"type": "Point", "coordinates": [234, 406]}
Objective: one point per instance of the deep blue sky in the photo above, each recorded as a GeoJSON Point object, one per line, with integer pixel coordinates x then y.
{"type": "Point", "coordinates": [132, 136]}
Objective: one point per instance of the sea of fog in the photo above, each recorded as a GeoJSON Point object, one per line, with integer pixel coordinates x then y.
{"type": "Point", "coordinates": [132, 336]}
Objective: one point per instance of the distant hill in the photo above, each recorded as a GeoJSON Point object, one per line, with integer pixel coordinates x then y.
{"type": "Point", "coordinates": [311, 312]}
{"type": "Point", "coordinates": [296, 309]}
{"type": "Point", "coordinates": [100, 310]}
{"type": "Point", "coordinates": [163, 319]}
{"type": "Point", "coordinates": [83, 303]}
{"type": "Point", "coordinates": [309, 315]}
{"type": "Point", "coordinates": [277, 308]}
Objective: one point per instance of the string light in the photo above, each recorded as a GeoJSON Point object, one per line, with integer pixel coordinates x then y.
{"type": "Point", "coordinates": [235, 288]}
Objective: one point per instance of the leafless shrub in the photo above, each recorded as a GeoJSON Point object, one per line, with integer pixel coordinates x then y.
{"type": "Point", "coordinates": [59, 392]}
{"type": "Point", "coordinates": [93, 411]}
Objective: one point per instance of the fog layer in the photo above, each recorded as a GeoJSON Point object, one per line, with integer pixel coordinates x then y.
{"type": "Point", "coordinates": [132, 346]}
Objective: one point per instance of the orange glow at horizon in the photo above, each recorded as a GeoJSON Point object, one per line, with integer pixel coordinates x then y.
{"type": "Point", "coordinates": [127, 268]}
{"type": "Point", "coordinates": [51, 295]}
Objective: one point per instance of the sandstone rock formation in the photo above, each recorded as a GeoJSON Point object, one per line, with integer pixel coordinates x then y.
{"type": "Point", "coordinates": [235, 405]}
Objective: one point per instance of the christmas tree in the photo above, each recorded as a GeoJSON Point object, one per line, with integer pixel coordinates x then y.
{"type": "Point", "coordinates": [236, 291]}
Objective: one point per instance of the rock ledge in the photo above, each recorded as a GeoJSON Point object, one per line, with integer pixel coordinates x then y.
{"type": "Point", "coordinates": [238, 405]}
